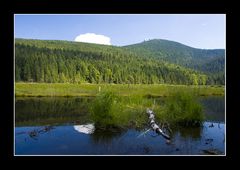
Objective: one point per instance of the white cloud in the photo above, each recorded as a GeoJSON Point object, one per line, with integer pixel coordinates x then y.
{"type": "Point", "coordinates": [93, 38]}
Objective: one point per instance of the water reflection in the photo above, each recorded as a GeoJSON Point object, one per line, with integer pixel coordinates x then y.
{"type": "Point", "coordinates": [87, 129]}
{"type": "Point", "coordinates": [51, 110]}
{"type": "Point", "coordinates": [193, 132]}
{"type": "Point", "coordinates": [66, 140]}
{"type": "Point", "coordinates": [105, 136]}
{"type": "Point", "coordinates": [59, 110]}
{"type": "Point", "coordinates": [214, 107]}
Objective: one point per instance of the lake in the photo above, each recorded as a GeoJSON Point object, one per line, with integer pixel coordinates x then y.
{"type": "Point", "coordinates": [59, 126]}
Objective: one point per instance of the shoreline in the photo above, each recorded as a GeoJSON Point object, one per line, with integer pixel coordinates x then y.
{"type": "Point", "coordinates": [91, 90]}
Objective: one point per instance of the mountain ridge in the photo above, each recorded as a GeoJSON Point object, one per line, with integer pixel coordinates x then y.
{"type": "Point", "coordinates": [72, 41]}
{"type": "Point", "coordinates": [177, 53]}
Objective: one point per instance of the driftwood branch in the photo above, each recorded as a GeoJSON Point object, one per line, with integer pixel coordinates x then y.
{"type": "Point", "coordinates": [154, 126]}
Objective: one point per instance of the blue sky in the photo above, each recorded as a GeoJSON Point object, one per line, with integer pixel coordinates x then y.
{"type": "Point", "coordinates": [199, 31]}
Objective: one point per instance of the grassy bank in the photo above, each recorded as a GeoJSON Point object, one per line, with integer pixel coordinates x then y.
{"type": "Point", "coordinates": [155, 90]}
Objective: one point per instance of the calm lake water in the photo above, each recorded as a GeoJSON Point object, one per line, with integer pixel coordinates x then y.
{"type": "Point", "coordinates": [50, 126]}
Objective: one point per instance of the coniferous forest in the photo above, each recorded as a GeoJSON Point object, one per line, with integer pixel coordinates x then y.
{"type": "Point", "coordinates": [149, 62]}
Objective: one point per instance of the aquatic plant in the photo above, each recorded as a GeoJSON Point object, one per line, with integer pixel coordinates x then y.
{"type": "Point", "coordinates": [110, 110]}
{"type": "Point", "coordinates": [184, 109]}
{"type": "Point", "coordinates": [104, 109]}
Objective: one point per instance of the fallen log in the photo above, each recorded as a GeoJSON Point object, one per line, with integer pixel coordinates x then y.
{"type": "Point", "coordinates": [154, 126]}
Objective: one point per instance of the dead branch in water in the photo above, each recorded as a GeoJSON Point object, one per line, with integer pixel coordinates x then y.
{"type": "Point", "coordinates": [154, 126]}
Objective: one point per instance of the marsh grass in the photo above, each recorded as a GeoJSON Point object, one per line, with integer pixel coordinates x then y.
{"type": "Point", "coordinates": [146, 90]}
{"type": "Point", "coordinates": [182, 108]}
{"type": "Point", "coordinates": [104, 110]}
{"type": "Point", "coordinates": [110, 110]}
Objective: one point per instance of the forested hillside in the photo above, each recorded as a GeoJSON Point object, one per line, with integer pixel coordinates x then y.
{"type": "Point", "coordinates": [74, 62]}
{"type": "Point", "coordinates": [210, 62]}
{"type": "Point", "coordinates": [178, 53]}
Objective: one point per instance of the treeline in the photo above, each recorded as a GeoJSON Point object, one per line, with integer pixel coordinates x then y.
{"type": "Point", "coordinates": [63, 62]}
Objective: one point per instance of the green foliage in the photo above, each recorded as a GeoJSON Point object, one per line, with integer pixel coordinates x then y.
{"type": "Point", "coordinates": [110, 110]}
{"type": "Point", "coordinates": [105, 108]}
{"type": "Point", "coordinates": [73, 62]}
{"type": "Point", "coordinates": [183, 108]}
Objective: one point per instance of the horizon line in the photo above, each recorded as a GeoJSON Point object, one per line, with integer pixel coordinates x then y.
{"type": "Point", "coordinates": [121, 45]}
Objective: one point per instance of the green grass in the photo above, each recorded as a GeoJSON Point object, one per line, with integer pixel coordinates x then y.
{"type": "Point", "coordinates": [181, 108]}
{"type": "Point", "coordinates": [68, 90]}
{"type": "Point", "coordinates": [109, 110]}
